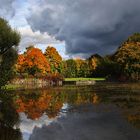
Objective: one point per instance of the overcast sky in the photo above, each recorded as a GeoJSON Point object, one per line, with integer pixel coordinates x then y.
{"type": "Point", "coordinates": [75, 27]}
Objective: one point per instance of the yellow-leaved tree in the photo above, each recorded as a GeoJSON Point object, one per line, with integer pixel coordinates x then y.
{"type": "Point", "coordinates": [54, 58]}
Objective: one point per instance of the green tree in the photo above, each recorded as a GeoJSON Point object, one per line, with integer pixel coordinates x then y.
{"type": "Point", "coordinates": [134, 38]}
{"type": "Point", "coordinates": [82, 68]}
{"type": "Point", "coordinates": [7, 66]}
{"type": "Point", "coordinates": [70, 68]}
{"type": "Point", "coordinates": [8, 37]}
{"type": "Point", "coordinates": [9, 40]}
{"type": "Point", "coordinates": [107, 68]}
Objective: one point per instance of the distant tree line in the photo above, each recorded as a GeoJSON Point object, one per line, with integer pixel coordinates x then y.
{"type": "Point", "coordinates": [123, 65]}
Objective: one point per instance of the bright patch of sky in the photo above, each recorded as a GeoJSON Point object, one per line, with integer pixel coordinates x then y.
{"type": "Point", "coordinates": [28, 36]}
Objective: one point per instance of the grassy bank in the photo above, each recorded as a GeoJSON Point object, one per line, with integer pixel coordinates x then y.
{"type": "Point", "coordinates": [84, 79]}
{"type": "Point", "coordinates": [18, 86]}
{"type": "Point", "coordinates": [11, 87]}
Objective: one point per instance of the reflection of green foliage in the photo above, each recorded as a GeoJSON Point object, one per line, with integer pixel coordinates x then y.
{"type": "Point", "coordinates": [8, 119]}
{"type": "Point", "coordinates": [8, 133]}
{"type": "Point", "coordinates": [9, 116]}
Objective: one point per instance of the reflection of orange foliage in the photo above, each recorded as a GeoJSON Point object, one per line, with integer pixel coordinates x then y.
{"type": "Point", "coordinates": [21, 105]}
{"type": "Point", "coordinates": [34, 108]}
{"type": "Point", "coordinates": [54, 109]}
{"type": "Point", "coordinates": [132, 118]}
{"type": "Point", "coordinates": [35, 104]}
{"type": "Point", "coordinates": [80, 100]}
{"type": "Point", "coordinates": [95, 99]}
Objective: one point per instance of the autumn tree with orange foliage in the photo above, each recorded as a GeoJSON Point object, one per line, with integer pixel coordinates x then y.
{"type": "Point", "coordinates": [54, 58]}
{"type": "Point", "coordinates": [128, 57]}
{"type": "Point", "coordinates": [33, 62]}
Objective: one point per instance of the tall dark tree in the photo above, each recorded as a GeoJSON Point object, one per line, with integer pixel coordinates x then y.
{"type": "Point", "coordinates": [107, 68]}
{"type": "Point", "coordinates": [9, 40]}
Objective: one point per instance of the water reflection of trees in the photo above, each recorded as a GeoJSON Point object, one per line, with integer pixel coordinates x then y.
{"type": "Point", "coordinates": [130, 104]}
{"type": "Point", "coordinates": [9, 119]}
{"type": "Point", "coordinates": [127, 100]}
{"type": "Point", "coordinates": [50, 102]}
{"type": "Point", "coordinates": [35, 104]}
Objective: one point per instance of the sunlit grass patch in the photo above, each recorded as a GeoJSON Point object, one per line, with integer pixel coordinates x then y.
{"type": "Point", "coordinates": [84, 79]}
{"type": "Point", "coordinates": [10, 87]}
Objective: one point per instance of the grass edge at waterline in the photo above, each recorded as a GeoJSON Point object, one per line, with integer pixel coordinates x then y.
{"type": "Point", "coordinates": [84, 79]}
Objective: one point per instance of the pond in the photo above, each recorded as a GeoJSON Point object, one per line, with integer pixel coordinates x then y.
{"type": "Point", "coordinates": [105, 111]}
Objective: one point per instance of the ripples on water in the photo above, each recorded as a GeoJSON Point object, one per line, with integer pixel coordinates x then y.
{"type": "Point", "coordinates": [106, 110]}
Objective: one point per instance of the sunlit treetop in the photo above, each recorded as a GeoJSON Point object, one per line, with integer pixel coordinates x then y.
{"type": "Point", "coordinates": [54, 58]}
{"type": "Point", "coordinates": [33, 61]}
{"type": "Point", "coordinates": [128, 56]}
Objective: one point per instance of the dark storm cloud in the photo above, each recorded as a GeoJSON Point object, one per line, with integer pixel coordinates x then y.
{"type": "Point", "coordinates": [87, 26]}
{"type": "Point", "coordinates": [6, 8]}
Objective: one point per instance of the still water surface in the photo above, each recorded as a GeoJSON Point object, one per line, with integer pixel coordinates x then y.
{"type": "Point", "coordinates": [105, 111]}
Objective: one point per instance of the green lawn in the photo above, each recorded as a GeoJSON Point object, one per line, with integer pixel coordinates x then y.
{"type": "Point", "coordinates": [84, 79]}
{"type": "Point", "coordinates": [10, 87]}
